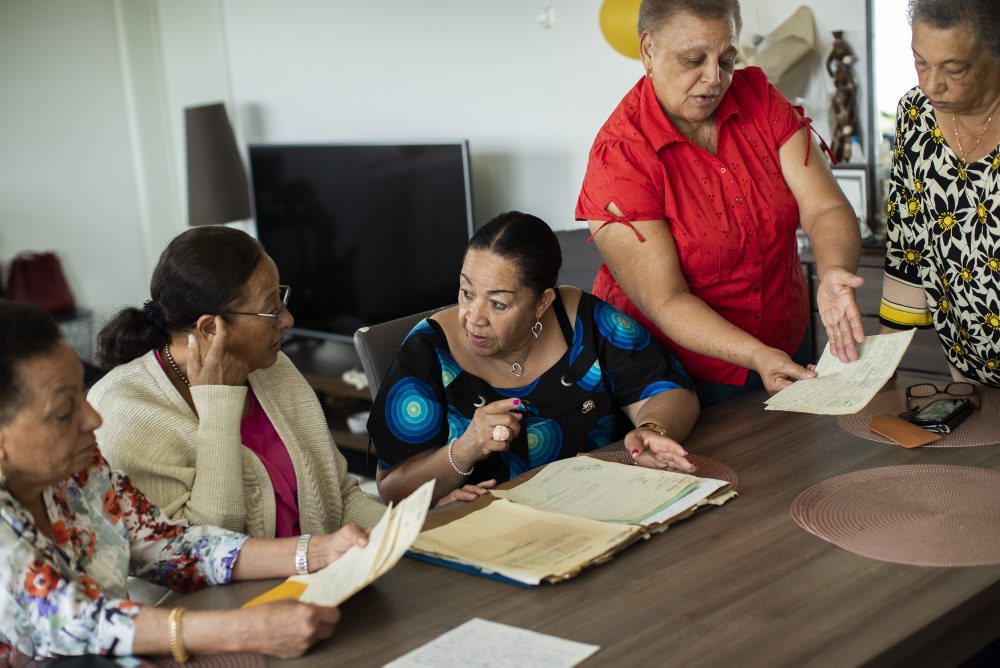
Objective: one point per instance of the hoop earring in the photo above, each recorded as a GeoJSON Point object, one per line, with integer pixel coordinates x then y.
{"type": "Point", "coordinates": [536, 329]}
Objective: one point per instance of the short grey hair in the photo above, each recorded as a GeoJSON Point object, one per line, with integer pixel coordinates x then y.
{"type": "Point", "coordinates": [982, 15]}
{"type": "Point", "coordinates": [654, 13]}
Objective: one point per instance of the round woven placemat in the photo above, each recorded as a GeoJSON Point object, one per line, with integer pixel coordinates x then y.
{"type": "Point", "coordinates": [980, 428]}
{"type": "Point", "coordinates": [707, 468]}
{"type": "Point", "coordinates": [925, 515]}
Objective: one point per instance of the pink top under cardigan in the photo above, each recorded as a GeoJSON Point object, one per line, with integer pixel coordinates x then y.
{"type": "Point", "coordinates": [259, 435]}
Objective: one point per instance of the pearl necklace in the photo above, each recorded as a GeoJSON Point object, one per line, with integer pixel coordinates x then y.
{"type": "Point", "coordinates": [954, 123]}
{"type": "Point", "coordinates": [173, 365]}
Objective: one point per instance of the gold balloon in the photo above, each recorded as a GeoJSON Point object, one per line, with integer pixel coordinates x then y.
{"type": "Point", "coordinates": [618, 20]}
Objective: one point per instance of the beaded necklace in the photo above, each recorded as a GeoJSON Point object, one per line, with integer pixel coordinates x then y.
{"type": "Point", "coordinates": [173, 365]}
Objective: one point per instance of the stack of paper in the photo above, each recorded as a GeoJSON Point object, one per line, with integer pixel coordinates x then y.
{"type": "Point", "coordinates": [387, 543]}
{"type": "Point", "coordinates": [610, 492]}
{"type": "Point", "coordinates": [573, 513]}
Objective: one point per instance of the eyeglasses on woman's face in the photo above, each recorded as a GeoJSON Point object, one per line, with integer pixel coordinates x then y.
{"type": "Point", "coordinates": [283, 293]}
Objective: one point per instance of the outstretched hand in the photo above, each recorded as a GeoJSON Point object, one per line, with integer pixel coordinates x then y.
{"type": "Point", "coordinates": [656, 451]}
{"type": "Point", "coordinates": [839, 311]}
{"type": "Point", "coordinates": [466, 493]}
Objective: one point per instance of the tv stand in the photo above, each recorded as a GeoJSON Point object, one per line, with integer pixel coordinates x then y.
{"type": "Point", "coordinates": [322, 362]}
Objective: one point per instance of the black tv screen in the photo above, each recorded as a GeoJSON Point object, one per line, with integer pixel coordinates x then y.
{"type": "Point", "coordinates": [363, 233]}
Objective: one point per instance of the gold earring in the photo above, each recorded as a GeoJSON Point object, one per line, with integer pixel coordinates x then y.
{"type": "Point", "coordinates": [649, 72]}
{"type": "Point", "coordinates": [3, 477]}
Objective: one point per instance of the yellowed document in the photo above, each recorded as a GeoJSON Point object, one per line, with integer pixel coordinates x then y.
{"type": "Point", "coordinates": [523, 543]}
{"type": "Point", "coordinates": [599, 490]}
{"type": "Point", "coordinates": [841, 388]}
{"type": "Point", "coordinates": [388, 541]}
{"type": "Point", "coordinates": [698, 496]}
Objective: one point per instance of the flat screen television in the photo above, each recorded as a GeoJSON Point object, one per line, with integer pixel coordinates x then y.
{"type": "Point", "coordinates": [363, 233]}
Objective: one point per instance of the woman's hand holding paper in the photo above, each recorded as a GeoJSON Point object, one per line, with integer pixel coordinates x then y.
{"type": "Point", "coordinates": [286, 629]}
{"type": "Point", "coordinates": [324, 550]}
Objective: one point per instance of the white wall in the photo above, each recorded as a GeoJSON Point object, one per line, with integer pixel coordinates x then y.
{"type": "Point", "coordinates": [91, 115]}
{"type": "Point", "coordinates": [67, 178]}
{"type": "Point", "coordinates": [528, 99]}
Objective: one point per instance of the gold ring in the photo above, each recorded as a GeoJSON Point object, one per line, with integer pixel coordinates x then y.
{"type": "Point", "coordinates": [501, 433]}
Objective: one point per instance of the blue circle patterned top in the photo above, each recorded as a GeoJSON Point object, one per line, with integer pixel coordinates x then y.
{"type": "Point", "coordinates": [611, 361]}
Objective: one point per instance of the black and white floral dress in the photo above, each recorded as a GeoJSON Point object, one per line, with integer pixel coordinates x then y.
{"type": "Point", "coordinates": [944, 237]}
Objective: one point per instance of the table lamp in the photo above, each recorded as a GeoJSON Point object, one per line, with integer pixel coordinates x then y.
{"type": "Point", "coordinates": [216, 179]}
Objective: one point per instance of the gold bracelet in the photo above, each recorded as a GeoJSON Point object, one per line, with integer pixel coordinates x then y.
{"type": "Point", "coordinates": [176, 640]}
{"type": "Point", "coordinates": [652, 426]}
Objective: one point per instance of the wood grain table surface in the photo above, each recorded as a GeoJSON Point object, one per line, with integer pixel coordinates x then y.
{"type": "Point", "coordinates": [739, 585]}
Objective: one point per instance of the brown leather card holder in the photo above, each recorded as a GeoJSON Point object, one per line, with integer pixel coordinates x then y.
{"type": "Point", "coordinates": [901, 432]}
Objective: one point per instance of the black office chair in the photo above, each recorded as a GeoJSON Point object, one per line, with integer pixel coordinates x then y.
{"type": "Point", "coordinates": [377, 345]}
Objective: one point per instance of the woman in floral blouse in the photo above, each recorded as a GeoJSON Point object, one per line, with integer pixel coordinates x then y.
{"type": "Point", "coordinates": [942, 265]}
{"type": "Point", "coordinates": [71, 530]}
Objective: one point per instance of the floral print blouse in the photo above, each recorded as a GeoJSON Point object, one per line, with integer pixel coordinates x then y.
{"type": "Point", "coordinates": [944, 238]}
{"type": "Point", "coordinates": [67, 596]}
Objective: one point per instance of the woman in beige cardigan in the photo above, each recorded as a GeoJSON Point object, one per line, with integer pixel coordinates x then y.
{"type": "Point", "coordinates": [212, 422]}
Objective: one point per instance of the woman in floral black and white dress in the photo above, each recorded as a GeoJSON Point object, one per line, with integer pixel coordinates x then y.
{"type": "Point", "coordinates": [943, 256]}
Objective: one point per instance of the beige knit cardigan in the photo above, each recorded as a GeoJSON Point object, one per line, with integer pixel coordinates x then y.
{"type": "Point", "coordinates": [195, 467]}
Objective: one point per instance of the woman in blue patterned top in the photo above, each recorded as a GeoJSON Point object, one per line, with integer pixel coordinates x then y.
{"type": "Point", "coordinates": [520, 373]}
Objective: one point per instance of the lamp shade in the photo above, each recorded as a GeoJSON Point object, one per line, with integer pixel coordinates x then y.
{"type": "Point", "coordinates": [216, 180]}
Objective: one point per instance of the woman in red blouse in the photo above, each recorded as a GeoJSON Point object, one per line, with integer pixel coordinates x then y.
{"type": "Point", "coordinates": [709, 172]}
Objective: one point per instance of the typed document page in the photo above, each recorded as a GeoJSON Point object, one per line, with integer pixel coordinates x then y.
{"type": "Point", "coordinates": [841, 388]}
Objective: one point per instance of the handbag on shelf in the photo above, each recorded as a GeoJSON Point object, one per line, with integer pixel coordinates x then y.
{"type": "Point", "coordinates": [38, 279]}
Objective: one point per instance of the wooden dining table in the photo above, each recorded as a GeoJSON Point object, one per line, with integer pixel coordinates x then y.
{"type": "Point", "coordinates": [741, 584]}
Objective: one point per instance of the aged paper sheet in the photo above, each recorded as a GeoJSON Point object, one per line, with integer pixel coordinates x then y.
{"type": "Point", "coordinates": [841, 388]}
{"type": "Point", "coordinates": [479, 642]}
{"type": "Point", "coordinates": [523, 543]}
{"type": "Point", "coordinates": [599, 490]}
{"type": "Point", "coordinates": [705, 488]}
{"type": "Point", "coordinates": [388, 541]}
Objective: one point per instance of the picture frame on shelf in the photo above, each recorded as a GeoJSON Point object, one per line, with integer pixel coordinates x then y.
{"type": "Point", "coordinates": [854, 184]}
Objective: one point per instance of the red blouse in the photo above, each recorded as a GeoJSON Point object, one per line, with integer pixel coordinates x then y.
{"type": "Point", "coordinates": [732, 216]}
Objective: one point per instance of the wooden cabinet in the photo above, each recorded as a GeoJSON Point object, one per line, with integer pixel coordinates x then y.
{"type": "Point", "coordinates": [924, 355]}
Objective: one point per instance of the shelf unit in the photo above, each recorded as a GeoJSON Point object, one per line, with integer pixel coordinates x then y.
{"type": "Point", "coordinates": [322, 363]}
